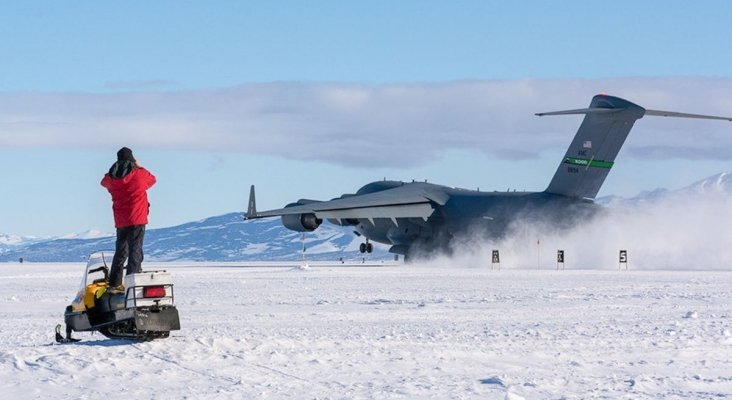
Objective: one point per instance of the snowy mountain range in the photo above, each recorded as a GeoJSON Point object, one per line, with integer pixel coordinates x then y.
{"type": "Point", "coordinates": [716, 185]}
{"type": "Point", "coordinates": [229, 238]}
{"type": "Point", "coordinates": [222, 238]}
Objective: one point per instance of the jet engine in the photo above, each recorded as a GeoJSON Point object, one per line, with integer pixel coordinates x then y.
{"type": "Point", "coordinates": [301, 222]}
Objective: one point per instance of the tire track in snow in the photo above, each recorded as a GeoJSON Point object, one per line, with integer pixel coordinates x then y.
{"type": "Point", "coordinates": [210, 344]}
{"type": "Point", "coordinates": [285, 374]}
{"type": "Point", "coordinates": [234, 381]}
{"type": "Point", "coordinates": [204, 374]}
{"type": "Point", "coordinates": [272, 370]}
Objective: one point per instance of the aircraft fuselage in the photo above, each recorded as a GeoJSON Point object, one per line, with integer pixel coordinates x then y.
{"type": "Point", "coordinates": [469, 211]}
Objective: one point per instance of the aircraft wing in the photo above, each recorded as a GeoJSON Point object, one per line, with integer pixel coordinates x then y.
{"type": "Point", "coordinates": [408, 201]}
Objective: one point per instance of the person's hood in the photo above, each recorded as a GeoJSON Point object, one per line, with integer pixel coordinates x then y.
{"type": "Point", "coordinates": [121, 168]}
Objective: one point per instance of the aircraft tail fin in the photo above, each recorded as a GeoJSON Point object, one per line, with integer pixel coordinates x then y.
{"type": "Point", "coordinates": [591, 155]}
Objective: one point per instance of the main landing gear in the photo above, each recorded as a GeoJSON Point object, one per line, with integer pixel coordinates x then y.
{"type": "Point", "coordinates": [366, 247]}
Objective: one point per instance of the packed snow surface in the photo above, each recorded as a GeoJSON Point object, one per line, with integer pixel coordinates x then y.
{"type": "Point", "coordinates": [385, 331]}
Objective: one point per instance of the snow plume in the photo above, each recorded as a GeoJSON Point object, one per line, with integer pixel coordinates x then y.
{"type": "Point", "coordinates": [683, 231]}
{"type": "Point", "coordinates": [362, 126]}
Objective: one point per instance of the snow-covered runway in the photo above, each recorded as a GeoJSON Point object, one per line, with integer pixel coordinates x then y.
{"type": "Point", "coordinates": [384, 332]}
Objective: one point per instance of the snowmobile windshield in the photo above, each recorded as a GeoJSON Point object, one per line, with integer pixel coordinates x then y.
{"type": "Point", "coordinates": [96, 260]}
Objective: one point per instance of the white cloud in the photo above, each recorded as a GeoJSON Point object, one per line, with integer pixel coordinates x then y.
{"type": "Point", "coordinates": [356, 125]}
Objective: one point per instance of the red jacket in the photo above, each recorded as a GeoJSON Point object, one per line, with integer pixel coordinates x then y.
{"type": "Point", "coordinates": [129, 196]}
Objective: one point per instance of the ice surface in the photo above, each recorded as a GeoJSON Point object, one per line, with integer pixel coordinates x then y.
{"type": "Point", "coordinates": [409, 332]}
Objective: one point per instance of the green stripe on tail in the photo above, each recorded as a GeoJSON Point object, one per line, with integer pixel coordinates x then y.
{"type": "Point", "coordinates": [588, 163]}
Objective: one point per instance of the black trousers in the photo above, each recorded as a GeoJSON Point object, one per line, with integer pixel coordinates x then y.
{"type": "Point", "coordinates": [128, 247]}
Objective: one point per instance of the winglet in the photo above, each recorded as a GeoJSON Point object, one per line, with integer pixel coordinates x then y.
{"type": "Point", "coordinates": [252, 208]}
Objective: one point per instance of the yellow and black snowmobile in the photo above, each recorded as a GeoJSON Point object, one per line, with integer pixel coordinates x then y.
{"type": "Point", "coordinates": [144, 310]}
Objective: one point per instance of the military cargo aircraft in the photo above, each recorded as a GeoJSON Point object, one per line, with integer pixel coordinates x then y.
{"type": "Point", "coordinates": [419, 217]}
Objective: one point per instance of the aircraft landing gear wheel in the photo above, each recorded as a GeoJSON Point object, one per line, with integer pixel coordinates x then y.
{"type": "Point", "coordinates": [366, 247]}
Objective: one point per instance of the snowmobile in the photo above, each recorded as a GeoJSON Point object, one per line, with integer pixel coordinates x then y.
{"type": "Point", "coordinates": [144, 311]}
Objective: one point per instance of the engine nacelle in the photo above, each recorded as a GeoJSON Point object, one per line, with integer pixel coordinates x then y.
{"type": "Point", "coordinates": [301, 222]}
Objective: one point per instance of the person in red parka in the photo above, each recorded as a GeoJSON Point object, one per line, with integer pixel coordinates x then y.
{"type": "Point", "coordinates": [128, 182]}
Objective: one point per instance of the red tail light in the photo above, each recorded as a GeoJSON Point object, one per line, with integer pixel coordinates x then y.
{"type": "Point", "coordinates": [153, 291]}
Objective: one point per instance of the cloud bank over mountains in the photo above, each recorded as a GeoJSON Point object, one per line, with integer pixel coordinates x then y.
{"type": "Point", "coordinates": [358, 125]}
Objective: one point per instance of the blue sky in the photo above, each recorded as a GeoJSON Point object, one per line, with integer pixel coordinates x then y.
{"type": "Point", "coordinates": [314, 99]}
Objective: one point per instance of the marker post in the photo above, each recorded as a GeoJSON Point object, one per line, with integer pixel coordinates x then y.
{"type": "Point", "coordinates": [623, 259]}
{"type": "Point", "coordinates": [560, 259]}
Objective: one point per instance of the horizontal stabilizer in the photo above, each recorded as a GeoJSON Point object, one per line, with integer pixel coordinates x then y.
{"type": "Point", "coordinates": [595, 110]}
{"type": "Point", "coordinates": [658, 113]}
{"type": "Point", "coordinates": [655, 113]}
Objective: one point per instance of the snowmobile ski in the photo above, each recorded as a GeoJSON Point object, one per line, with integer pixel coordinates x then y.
{"type": "Point", "coordinates": [61, 339]}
